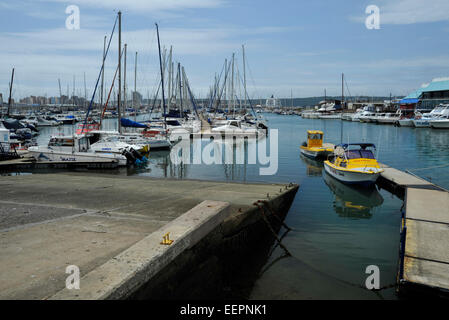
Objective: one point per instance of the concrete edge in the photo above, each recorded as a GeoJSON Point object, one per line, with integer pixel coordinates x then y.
{"type": "Point", "coordinates": [122, 275]}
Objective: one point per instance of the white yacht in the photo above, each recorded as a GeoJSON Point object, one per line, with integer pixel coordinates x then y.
{"type": "Point", "coordinates": [442, 120]}
{"type": "Point", "coordinates": [73, 149]}
{"type": "Point", "coordinates": [234, 127]}
{"type": "Point", "coordinates": [366, 116]}
{"type": "Point", "coordinates": [388, 118]}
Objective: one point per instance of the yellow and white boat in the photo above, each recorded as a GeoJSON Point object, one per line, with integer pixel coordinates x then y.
{"type": "Point", "coordinates": [355, 166]}
{"type": "Point", "coordinates": [314, 147]}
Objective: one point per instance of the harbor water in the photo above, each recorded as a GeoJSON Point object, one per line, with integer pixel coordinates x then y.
{"type": "Point", "coordinates": [337, 230]}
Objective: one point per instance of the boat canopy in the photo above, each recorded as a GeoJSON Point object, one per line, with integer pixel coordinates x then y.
{"type": "Point", "coordinates": [362, 145]}
{"type": "Point", "coordinates": [131, 124]}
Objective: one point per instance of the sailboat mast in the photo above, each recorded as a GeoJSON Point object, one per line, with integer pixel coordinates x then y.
{"type": "Point", "coordinates": [10, 93]}
{"type": "Point", "coordinates": [102, 73]}
{"type": "Point", "coordinates": [180, 88]}
{"type": "Point", "coordinates": [60, 92]}
{"type": "Point", "coordinates": [85, 91]}
{"type": "Point", "coordinates": [135, 88]}
{"type": "Point", "coordinates": [125, 103]}
{"type": "Point", "coordinates": [342, 89]}
{"type": "Point", "coordinates": [244, 73]}
{"type": "Point", "coordinates": [232, 86]}
{"type": "Point", "coordinates": [162, 75]}
{"type": "Point", "coordinates": [119, 97]}
{"type": "Point", "coordinates": [169, 78]}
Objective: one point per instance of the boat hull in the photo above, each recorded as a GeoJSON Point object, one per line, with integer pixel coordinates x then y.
{"type": "Point", "coordinates": [351, 177]}
{"type": "Point", "coordinates": [321, 154]}
{"type": "Point", "coordinates": [85, 157]}
{"type": "Point", "coordinates": [421, 123]}
{"type": "Point", "coordinates": [406, 123]}
{"type": "Point", "coordinates": [440, 124]}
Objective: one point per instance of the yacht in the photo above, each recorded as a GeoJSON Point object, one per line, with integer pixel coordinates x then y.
{"type": "Point", "coordinates": [234, 127]}
{"type": "Point", "coordinates": [366, 116]}
{"type": "Point", "coordinates": [73, 149]}
{"type": "Point", "coordinates": [441, 121]}
{"type": "Point", "coordinates": [388, 118]}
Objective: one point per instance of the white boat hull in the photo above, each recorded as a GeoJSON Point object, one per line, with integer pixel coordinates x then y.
{"type": "Point", "coordinates": [421, 123]}
{"type": "Point", "coordinates": [86, 157]}
{"type": "Point", "coordinates": [349, 177]}
{"type": "Point", "coordinates": [406, 123]}
{"type": "Point", "coordinates": [440, 124]}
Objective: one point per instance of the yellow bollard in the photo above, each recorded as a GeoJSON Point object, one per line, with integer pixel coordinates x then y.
{"type": "Point", "coordinates": [166, 239]}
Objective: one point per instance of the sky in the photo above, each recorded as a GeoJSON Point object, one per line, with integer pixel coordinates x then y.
{"type": "Point", "coordinates": [292, 46]}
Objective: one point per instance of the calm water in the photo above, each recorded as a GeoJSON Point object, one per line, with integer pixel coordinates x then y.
{"type": "Point", "coordinates": [337, 230]}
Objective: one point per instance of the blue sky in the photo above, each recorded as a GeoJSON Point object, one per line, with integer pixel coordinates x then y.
{"type": "Point", "coordinates": [299, 45]}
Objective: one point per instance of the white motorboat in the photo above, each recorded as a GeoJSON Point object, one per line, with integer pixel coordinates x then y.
{"type": "Point", "coordinates": [442, 121]}
{"type": "Point", "coordinates": [142, 141]}
{"type": "Point", "coordinates": [422, 120]}
{"type": "Point", "coordinates": [405, 122]}
{"type": "Point", "coordinates": [73, 149]}
{"type": "Point", "coordinates": [234, 127]}
{"type": "Point", "coordinates": [366, 116]}
{"type": "Point", "coordinates": [388, 118]}
{"type": "Point", "coordinates": [330, 116]}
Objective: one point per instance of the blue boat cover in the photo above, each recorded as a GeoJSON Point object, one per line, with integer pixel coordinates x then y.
{"type": "Point", "coordinates": [409, 101]}
{"type": "Point", "coordinates": [131, 124]}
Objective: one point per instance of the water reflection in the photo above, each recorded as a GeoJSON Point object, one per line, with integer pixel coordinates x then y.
{"type": "Point", "coordinates": [353, 203]}
{"type": "Point", "coordinates": [314, 167]}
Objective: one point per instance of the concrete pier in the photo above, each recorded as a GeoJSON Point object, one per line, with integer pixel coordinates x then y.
{"type": "Point", "coordinates": [424, 250]}
{"type": "Point", "coordinates": [111, 228]}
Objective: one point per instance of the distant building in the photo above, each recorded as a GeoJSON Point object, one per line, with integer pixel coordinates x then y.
{"type": "Point", "coordinates": [137, 97]}
{"type": "Point", "coordinates": [427, 97]}
{"type": "Point", "coordinates": [272, 102]}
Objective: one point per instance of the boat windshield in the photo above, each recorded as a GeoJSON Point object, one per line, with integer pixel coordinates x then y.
{"type": "Point", "coordinates": [61, 142]}
{"type": "Point", "coordinates": [315, 136]}
{"type": "Point", "coordinates": [358, 154]}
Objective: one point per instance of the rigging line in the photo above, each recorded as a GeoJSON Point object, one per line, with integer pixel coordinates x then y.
{"type": "Point", "coordinates": [99, 77]}
{"type": "Point", "coordinates": [110, 90]}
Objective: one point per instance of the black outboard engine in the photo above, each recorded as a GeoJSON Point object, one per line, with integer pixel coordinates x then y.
{"type": "Point", "coordinates": [129, 157]}
{"type": "Point", "coordinates": [136, 154]}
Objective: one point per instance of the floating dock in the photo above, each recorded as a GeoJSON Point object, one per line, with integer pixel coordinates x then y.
{"type": "Point", "coordinates": [424, 249]}
{"type": "Point", "coordinates": [113, 227]}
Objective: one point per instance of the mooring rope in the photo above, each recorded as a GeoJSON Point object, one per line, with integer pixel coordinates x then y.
{"type": "Point", "coordinates": [266, 205]}
{"type": "Point", "coordinates": [264, 217]}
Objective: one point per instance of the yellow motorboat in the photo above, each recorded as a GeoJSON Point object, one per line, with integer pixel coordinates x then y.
{"type": "Point", "coordinates": [314, 147]}
{"type": "Point", "coordinates": [354, 166]}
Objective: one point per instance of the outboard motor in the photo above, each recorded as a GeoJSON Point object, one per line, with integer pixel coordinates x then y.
{"type": "Point", "coordinates": [136, 154]}
{"type": "Point", "coordinates": [129, 157]}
